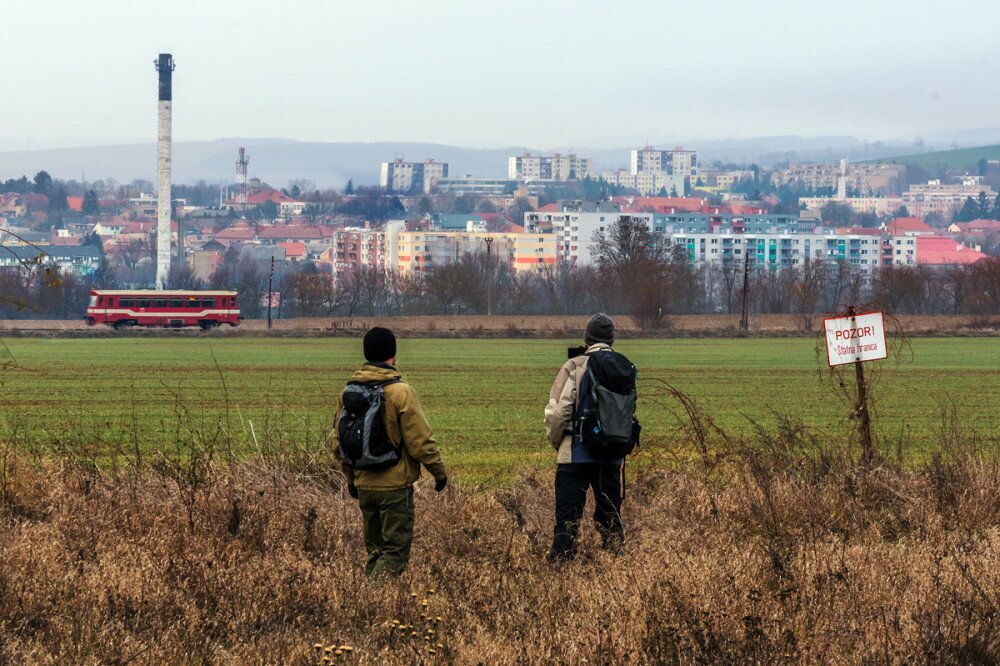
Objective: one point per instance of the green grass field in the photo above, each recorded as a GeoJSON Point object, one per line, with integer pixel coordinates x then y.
{"type": "Point", "coordinates": [484, 398]}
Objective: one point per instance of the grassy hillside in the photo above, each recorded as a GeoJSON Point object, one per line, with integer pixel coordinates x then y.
{"type": "Point", "coordinates": [961, 158]}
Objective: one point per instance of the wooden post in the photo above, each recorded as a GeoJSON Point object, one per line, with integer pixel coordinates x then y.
{"type": "Point", "coordinates": [270, 279]}
{"type": "Point", "coordinates": [864, 417]}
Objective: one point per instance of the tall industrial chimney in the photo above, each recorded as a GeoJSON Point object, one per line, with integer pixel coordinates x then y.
{"type": "Point", "coordinates": [165, 68]}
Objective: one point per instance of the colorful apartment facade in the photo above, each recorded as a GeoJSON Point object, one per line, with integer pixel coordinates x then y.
{"type": "Point", "coordinates": [421, 251]}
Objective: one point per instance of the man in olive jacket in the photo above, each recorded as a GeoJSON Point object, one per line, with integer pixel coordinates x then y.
{"type": "Point", "coordinates": [386, 496]}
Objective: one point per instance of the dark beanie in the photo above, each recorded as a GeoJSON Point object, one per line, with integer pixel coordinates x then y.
{"type": "Point", "coordinates": [379, 344]}
{"type": "Point", "coordinates": [600, 328]}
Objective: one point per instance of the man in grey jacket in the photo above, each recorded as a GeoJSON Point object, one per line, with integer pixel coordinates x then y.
{"type": "Point", "coordinates": [576, 469]}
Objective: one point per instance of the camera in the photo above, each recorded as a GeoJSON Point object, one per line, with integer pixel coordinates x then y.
{"type": "Point", "coordinates": [573, 352]}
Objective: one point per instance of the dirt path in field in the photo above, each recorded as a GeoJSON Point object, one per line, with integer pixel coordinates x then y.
{"type": "Point", "coordinates": [509, 326]}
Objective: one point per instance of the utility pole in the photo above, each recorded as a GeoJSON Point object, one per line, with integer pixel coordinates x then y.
{"type": "Point", "coordinates": [489, 278]}
{"type": "Point", "coordinates": [270, 292]}
{"type": "Point", "coordinates": [745, 317]}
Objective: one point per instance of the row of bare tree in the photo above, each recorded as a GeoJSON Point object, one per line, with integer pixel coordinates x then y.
{"type": "Point", "coordinates": [633, 272]}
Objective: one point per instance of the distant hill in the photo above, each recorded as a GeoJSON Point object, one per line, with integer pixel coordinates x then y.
{"type": "Point", "coordinates": [277, 161]}
{"type": "Point", "coordinates": [959, 158]}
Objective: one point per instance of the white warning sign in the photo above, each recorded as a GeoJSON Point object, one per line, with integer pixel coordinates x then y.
{"type": "Point", "coordinates": [857, 338]}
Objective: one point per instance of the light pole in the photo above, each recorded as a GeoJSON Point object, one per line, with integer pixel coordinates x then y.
{"type": "Point", "coordinates": [489, 276]}
{"type": "Point", "coordinates": [745, 317]}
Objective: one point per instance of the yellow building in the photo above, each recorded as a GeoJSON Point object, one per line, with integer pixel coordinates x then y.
{"type": "Point", "coordinates": [421, 250]}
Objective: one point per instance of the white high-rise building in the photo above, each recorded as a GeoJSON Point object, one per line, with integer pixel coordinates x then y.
{"type": "Point", "coordinates": [548, 167]}
{"type": "Point", "coordinates": [402, 177]}
{"type": "Point", "coordinates": [574, 230]}
{"type": "Point", "coordinates": [676, 162]}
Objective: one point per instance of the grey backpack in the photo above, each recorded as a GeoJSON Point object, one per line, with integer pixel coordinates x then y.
{"type": "Point", "coordinates": [605, 419]}
{"type": "Point", "coordinates": [364, 443]}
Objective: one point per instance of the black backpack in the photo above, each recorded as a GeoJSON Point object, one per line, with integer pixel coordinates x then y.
{"type": "Point", "coordinates": [364, 443]}
{"type": "Point", "coordinates": [605, 421]}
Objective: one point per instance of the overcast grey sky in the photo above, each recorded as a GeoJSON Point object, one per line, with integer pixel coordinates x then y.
{"type": "Point", "coordinates": [533, 73]}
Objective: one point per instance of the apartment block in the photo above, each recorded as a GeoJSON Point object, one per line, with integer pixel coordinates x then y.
{"type": "Point", "coordinates": [866, 251]}
{"type": "Point", "coordinates": [872, 204]}
{"type": "Point", "coordinates": [420, 251]}
{"type": "Point", "coordinates": [555, 167]}
{"type": "Point", "coordinates": [353, 248]}
{"type": "Point", "coordinates": [403, 177]}
{"type": "Point", "coordinates": [866, 179]}
{"type": "Point", "coordinates": [647, 183]}
{"type": "Point", "coordinates": [676, 162]}
{"type": "Point", "coordinates": [574, 230]}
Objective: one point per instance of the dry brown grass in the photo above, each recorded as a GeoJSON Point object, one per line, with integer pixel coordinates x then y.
{"type": "Point", "coordinates": [772, 550]}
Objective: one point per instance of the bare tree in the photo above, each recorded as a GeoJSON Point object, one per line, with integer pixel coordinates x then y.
{"type": "Point", "coordinates": [181, 276]}
{"type": "Point", "coordinates": [639, 261]}
{"type": "Point", "coordinates": [133, 251]}
{"type": "Point", "coordinates": [443, 283]}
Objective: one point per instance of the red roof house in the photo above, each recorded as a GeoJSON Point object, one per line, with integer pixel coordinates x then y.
{"type": "Point", "coordinates": [943, 251]}
{"type": "Point", "coordinates": [979, 227]}
{"type": "Point", "coordinates": [292, 232]}
{"type": "Point", "coordinates": [294, 251]}
{"type": "Point", "coordinates": [236, 234]}
{"type": "Point", "coordinates": [908, 226]}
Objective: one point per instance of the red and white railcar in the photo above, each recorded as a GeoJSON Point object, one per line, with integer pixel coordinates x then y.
{"type": "Point", "coordinates": [171, 309]}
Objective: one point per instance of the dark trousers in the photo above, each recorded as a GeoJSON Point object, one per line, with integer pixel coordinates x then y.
{"type": "Point", "coordinates": [388, 521]}
{"type": "Point", "coordinates": [572, 482]}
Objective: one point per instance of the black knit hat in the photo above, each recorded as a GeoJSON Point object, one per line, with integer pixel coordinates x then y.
{"type": "Point", "coordinates": [600, 328]}
{"type": "Point", "coordinates": [379, 345]}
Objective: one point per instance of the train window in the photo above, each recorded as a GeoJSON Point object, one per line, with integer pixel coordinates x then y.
{"type": "Point", "coordinates": [159, 302]}
{"type": "Point", "coordinates": [125, 302]}
{"type": "Point", "coordinates": [176, 302]}
{"type": "Point", "coordinates": [100, 301]}
{"type": "Point", "coordinates": [142, 302]}
{"type": "Point", "coordinates": [208, 302]}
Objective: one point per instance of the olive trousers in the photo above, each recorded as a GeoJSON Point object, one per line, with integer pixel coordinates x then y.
{"type": "Point", "coordinates": [388, 527]}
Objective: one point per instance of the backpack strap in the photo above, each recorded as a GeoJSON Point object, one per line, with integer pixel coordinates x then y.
{"type": "Point", "coordinates": [354, 382]}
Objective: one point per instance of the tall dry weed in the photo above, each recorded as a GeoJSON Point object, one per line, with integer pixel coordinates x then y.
{"type": "Point", "coordinates": [775, 548]}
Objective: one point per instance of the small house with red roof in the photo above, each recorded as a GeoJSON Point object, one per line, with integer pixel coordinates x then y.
{"type": "Point", "coordinates": [287, 206]}
{"type": "Point", "coordinates": [943, 251]}
{"type": "Point", "coordinates": [64, 238]}
{"type": "Point", "coordinates": [12, 202]}
{"type": "Point", "coordinates": [907, 226]}
{"type": "Point", "coordinates": [295, 251]}
{"type": "Point", "coordinates": [238, 233]}
{"type": "Point", "coordinates": [976, 227]}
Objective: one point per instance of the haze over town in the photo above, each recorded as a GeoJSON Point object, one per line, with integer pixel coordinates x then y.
{"type": "Point", "coordinates": [527, 74]}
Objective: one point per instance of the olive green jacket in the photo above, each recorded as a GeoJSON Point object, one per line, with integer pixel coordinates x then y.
{"type": "Point", "coordinates": [406, 427]}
